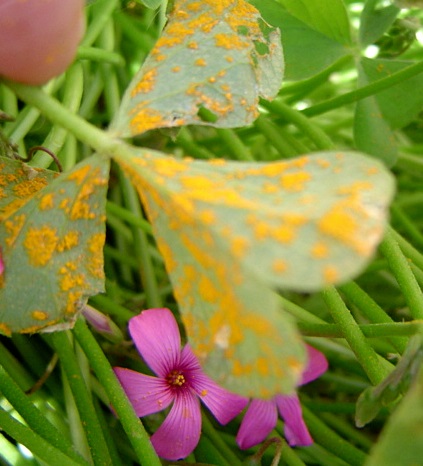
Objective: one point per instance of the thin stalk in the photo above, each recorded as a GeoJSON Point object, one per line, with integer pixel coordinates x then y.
{"type": "Point", "coordinates": [235, 145]}
{"type": "Point", "coordinates": [34, 418]}
{"type": "Point", "coordinates": [398, 329]}
{"type": "Point", "coordinates": [365, 354]}
{"type": "Point", "coordinates": [130, 422]}
{"type": "Point", "coordinates": [370, 309]}
{"type": "Point", "coordinates": [96, 54]}
{"type": "Point", "coordinates": [141, 246]}
{"type": "Point", "coordinates": [409, 227]}
{"type": "Point", "coordinates": [328, 439]}
{"type": "Point", "coordinates": [401, 269]}
{"type": "Point", "coordinates": [274, 136]}
{"type": "Point", "coordinates": [317, 135]}
{"type": "Point", "coordinates": [365, 91]}
{"type": "Point", "coordinates": [129, 217]}
{"type": "Point", "coordinates": [36, 444]}
{"type": "Point", "coordinates": [102, 12]}
{"type": "Point", "coordinates": [412, 254]}
{"type": "Point", "coordinates": [83, 400]}
{"type": "Point", "coordinates": [106, 304]}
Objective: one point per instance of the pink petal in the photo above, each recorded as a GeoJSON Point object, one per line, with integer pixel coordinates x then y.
{"type": "Point", "coordinates": [223, 404]}
{"type": "Point", "coordinates": [258, 422]}
{"type": "Point", "coordinates": [180, 432]}
{"type": "Point", "coordinates": [295, 430]}
{"type": "Point", "coordinates": [317, 365]}
{"type": "Point", "coordinates": [147, 394]}
{"type": "Point", "coordinates": [1, 262]}
{"type": "Point", "coordinates": [156, 336]}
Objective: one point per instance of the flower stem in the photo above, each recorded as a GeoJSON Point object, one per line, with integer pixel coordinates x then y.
{"type": "Point", "coordinates": [69, 363]}
{"type": "Point", "coordinates": [130, 422]}
{"type": "Point", "coordinates": [401, 269]}
{"type": "Point", "coordinates": [34, 418]}
{"type": "Point", "coordinates": [36, 444]}
{"type": "Point", "coordinates": [365, 354]}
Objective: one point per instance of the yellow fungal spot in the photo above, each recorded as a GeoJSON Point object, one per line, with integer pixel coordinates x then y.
{"type": "Point", "coordinates": [27, 188]}
{"type": "Point", "coordinates": [40, 244]}
{"type": "Point", "coordinates": [200, 62]}
{"type": "Point", "coordinates": [145, 119]}
{"type": "Point", "coordinates": [330, 274]}
{"type": "Point", "coordinates": [46, 202]}
{"type": "Point", "coordinates": [176, 69]}
{"type": "Point", "coordinates": [146, 83]}
{"type": "Point", "coordinates": [69, 241]}
{"type": "Point", "coordinates": [319, 250]}
{"type": "Point", "coordinates": [5, 329]}
{"type": "Point", "coordinates": [230, 41]}
{"type": "Point", "coordinates": [279, 266]}
{"type": "Point", "coordinates": [40, 315]}
{"type": "Point", "coordinates": [212, 79]}
{"type": "Point", "coordinates": [13, 228]}
{"type": "Point", "coordinates": [79, 174]}
{"type": "Point", "coordinates": [339, 224]}
{"type": "Point", "coordinates": [70, 279]}
{"type": "Point", "coordinates": [193, 45]}
{"type": "Point", "coordinates": [295, 182]}
{"type": "Point", "coordinates": [229, 59]}
{"type": "Point", "coordinates": [95, 261]}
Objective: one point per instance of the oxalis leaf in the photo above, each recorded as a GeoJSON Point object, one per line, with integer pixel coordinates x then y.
{"type": "Point", "coordinates": [216, 55]}
{"type": "Point", "coordinates": [228, 230]}
{"type": "Point", "coordinates": [52, 244]}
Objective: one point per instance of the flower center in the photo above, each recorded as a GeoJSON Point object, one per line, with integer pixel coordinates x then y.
{"type": "Point", "coordinates": [176, 378]}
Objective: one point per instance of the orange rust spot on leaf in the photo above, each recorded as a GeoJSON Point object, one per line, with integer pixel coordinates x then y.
{"type": "Point", "coordinates": [200, 62]}
{"type": "Point", "coordinates": [230, 41]}
{"type": "Point", "coordinates": [69, 241]}
{"type": "Point", "coordinates": [295, 182]}
{"type": "Point", "coordinates": [13, 227]}
{"type": "Point", "coordinates": [330, 274]}
{"type": "Point", "coordinates": [95, 261]}
{"type": "Point", "coordinates": [28, 187]}
{"type": "Point", "coordinates": [5, 330]}
{"type": "Point", "coordinates": [279, 266]}
{"type": "Point", "coordinates": [319, 250]}
{"type": "Point", "coordinates": [40, 244]}
{"type": "Point", "coordinates": [46, 202]}
{"type": "Point", "coordinates": [146, 83]}
{"type": "Point", "coordinates": [40, 315]}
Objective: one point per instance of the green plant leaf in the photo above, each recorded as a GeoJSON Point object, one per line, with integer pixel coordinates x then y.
{"type": "Point", "coordinates": [329, 17]}
{"type": "Point", "coordinates": [306, 51]}
{"type": "Point", "coordinates": [230, 231]}
{"type": "Point", "coordinates": [52, 248]}
{"type": "Point", "coordinates": [153, 4]}
{"type": "Point", "coordinates": [372, 133]}
{"type": "Point", "coordinates": [395, 384]}
{"type": "Point", "coordinates": [218, 56]}
{"type": "Point", "coordinates": [400, 104]}
{"type": "Point", "coordinates": [375, 21]}
{"type": "Point", "coordinates": [401, 441]}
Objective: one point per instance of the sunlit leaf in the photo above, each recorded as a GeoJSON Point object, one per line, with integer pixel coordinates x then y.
{"type": "Point", "coordinates": [401, 441]}
{"type": "Point", "coordinates": [52, 248]}
{"type": "Point", "coordinates": [229, 230]}
{"type": "Point", "coordinates": [220, 56]}
{"type": "Point", "coordinates": [306, 51]}
{"type": "Point", "coordinates": [399, 104]}
{"type": "Point", "coordinates": [372, 132]}
{"type": "Point", "coordinates": [326, 16]}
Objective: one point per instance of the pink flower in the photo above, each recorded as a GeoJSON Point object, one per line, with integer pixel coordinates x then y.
{"type": "Point", "coordinates": [180, 380]}
{"type": "Point", "coordinates": [261, 416]}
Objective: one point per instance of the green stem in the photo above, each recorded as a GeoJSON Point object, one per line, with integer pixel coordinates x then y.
{"type": "Point", "coordinates": [409, 227]}
{"type": "Point", "coordinates": [403, 329]}
{"type": "Point", "coordinates": [365, 91]}
{"type": "Point", "coordinates": [130, 422]}
{"type": "Point", "coordinates": [33, 417]}
{"type": "Point", "coordinates": [233, 142]}
{"type": "Point", "coordinates": [69, 363]}
{"type": "Point", "coordinates": [217, 440]}
{"type": "Point", "coordinates": [102, 302]}
{"type": "Point", "coordinates": [365, 354]}
{"type": "Point", "coordinates": [129, 217]}
{"type": "Point", "coordinates": [370, 309]}
{"type": "Point", "coordinates": [327, 438]}
{"type": "Point", "coordinates": [318, 136]}
{"type": "Point", "coordinates": [36, 444]}
{"type": "Point", "coordinates": [274, 136]}
{"type": "Point", "coordinates": [401, 269]}
{"type": "Point", "coordinates": [409, 251]}
{"type": "Point", "coordinates": [100, 16]}
{"type": "Point", "coordinates": [101, 55]}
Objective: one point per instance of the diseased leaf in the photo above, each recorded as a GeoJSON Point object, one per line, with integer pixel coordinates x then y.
{"type": "Point", "coordinates": [18, 183]}
{"type": "Point", "coordinates": [220, 56]}
{"type": "Point", "coordinates": [229, 231]}
{"type": "Point", "coordinates": [52, 247]}
{"type": "Point", "coordinates": [306, 51]}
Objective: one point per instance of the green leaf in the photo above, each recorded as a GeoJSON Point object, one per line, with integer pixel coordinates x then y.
{"type": "Point", "coordinates": [306, 51]}
{"type": "Point", "coordinates": [52, 247]}
{"type": "Point", "coordinates": [401, 441]}
{"type": "Point", "coordinates": [220, 56]}
{"type": "Point", "coordinates": [375, 21]}
{"type": "Point", "coordinates": [326, 16]}
{"type": "Point", "coordinates": [400, 104]}
{"type": "Point", "coordinates": [398, 381]}
{"type": "Point", "coordinates": [372, 133]}
{"type": "Point", "coordinates": [153, 4]}
{"type": "Point", "coordinates": [230, 231]}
